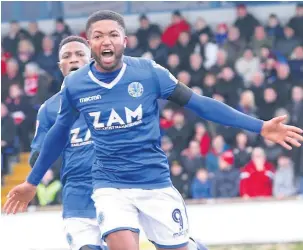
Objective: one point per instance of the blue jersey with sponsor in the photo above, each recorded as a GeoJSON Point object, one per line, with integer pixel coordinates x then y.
{"type": "Point", "coordinates": [123, 117]}
{"type": "Point", "coordinates": [78, 158]}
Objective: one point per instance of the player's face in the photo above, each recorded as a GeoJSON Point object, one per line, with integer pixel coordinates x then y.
{"type": "Point", "coordinates": [73, 56]}
{"type": "Point", "coordinates": [107, 41]}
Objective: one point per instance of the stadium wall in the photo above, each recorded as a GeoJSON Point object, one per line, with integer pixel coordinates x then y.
{"type": "Point", "coordinates": [213, 16]}
{"type": "Point", "coordinates": [238, 222]}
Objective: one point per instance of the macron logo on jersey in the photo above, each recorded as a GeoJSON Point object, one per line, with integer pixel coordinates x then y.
{"type": "Point", "coordinates": [90, 98]}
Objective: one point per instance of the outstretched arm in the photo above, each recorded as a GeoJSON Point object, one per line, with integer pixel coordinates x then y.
{"type": "Point", "coordinates": [221, 113]}
{"type": "Point", "coordinates": [54, 143]}
{"type": "Point", "coordinates": [212, 110]}
{"type": "Point", "coordinates": [55, 140]}
{"type": "Point", "coordinates": [43, 125]}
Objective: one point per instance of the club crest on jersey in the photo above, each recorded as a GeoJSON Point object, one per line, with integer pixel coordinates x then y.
{"type": "Point", "coordinates": [135, 89]}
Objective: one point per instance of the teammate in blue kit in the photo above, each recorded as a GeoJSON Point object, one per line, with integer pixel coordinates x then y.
{"type": "Point", "coordinates": [117, 95]}
{"type": "Point", "coordinates": [79, 214]}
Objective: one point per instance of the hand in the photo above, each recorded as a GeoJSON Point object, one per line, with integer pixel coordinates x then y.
{"type": "Point", "coordinates": [19, 198]}
{"type": "Point", "coordinates": [245, 197]}
{"type": "Point", "coordinates": [3, 143]}
{"type": "Point", "coordinates": [275, 131]}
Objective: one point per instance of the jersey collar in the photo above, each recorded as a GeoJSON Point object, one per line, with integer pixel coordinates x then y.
{"type": "Point", "coordinates": [111, 84]}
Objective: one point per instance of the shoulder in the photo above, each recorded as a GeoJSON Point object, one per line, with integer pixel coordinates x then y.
{"type": "Point", "coordinates": [137, 62]}
{"type": "Point", "coordinates": [50, 106]}
{"type": "Point", "coordinates": [77, 75]}
{"type": "Point", "coordinates": [55, 98]}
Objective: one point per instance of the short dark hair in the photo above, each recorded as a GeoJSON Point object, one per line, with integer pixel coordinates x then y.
{"type": "Point", "coordinates": [70, 39]}
{"type": "Point", "coordinates": [143, 17]}
{"type": "Point", "coordinates": [60, 20]}
{"type": "Point", "coordinates": [105, 15]}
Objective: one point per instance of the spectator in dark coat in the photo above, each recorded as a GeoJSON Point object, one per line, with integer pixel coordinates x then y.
{"type": "Point", "coordinates": [257, 87]}
{"type": "Point", "coordinates": [12, 76]}
{"type": "Point", "coordinates": [15, 35]}
{"type": "Point", "coordinates": [296, 22]}
{"type": "Point", "coordinates": [158, 50]}
{"type": "Point", "coordinates": [180, 133]}
{"type": "Point", "coordinates": [145, 30]}
{"type": "Point", "coordinates": [192, 159]}
{"type": "Point", "coordinates": [62, 30]}
{"type": "Point", "coordinates": [274, 28]}
{"type": "Point", "coordinates": [201, 27]}
{"type": "Point", "coordinates": [295, 108]}
{"type": "Point", "coordinates": [179, 179]}
{"type": "Point", "coordinates": [234, 45]}
{"type": "Point", "coordinates": [168, 148]}
{"type": "Point", "coordinates": [8, 134]}
{"type": "Point", "coordinates": [272, 151]}
{"type": "Point", "coordinates": [225, 183]}
{"type": "Point", "coordinates": [242, 152]}
{"type": "Point", "coordinates": [22, 114]}
{"type": "Point", "coordinates": [197, 71]}
{"type": "Point", "coordinates": [25, 54]}
{"type": "Point", "coordinates": [269, 104]}
{"type": "Point", "coordinates": [283, 84]}
{"type": "Point", "coordinates": [284, 180]}
{"type": "Point", "coordinates": [229, 86]}
{"type": "Point", "coordinates": [48, 58]}
{"type": "Point", "coordinates": [36, 36]}
{"type": "Point", "coordinates": [173, 64]}
{"type": "Point", "coordinates": [288, 43]}
{"type": "Point", "coordinates": [133, 48]}
{"type": "Point", "coordinates": [184, 48]}
{"type": "Point", "coordinates": [209, 84]}
{"type": "Point", "coordinates": [246, 22]}
{"type": "Point", "coordinates": [296, 65]}
{"type": "Point", "coordinates": [260, 40]}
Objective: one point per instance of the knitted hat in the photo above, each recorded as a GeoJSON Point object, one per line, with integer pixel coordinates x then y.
{"type": "Point", "coordinates": [227, 157]}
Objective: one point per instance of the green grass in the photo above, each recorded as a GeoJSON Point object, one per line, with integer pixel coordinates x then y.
{"type": "Point", "coordinates": [298, 246]}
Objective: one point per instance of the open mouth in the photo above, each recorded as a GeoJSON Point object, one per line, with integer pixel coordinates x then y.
{"type": "Point", "coordinates": [73, 69]}
{"type": "Point", "coordinates": [107, 53]}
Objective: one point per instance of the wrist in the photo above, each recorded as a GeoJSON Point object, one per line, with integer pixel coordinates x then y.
{"type": "Point", "coordinates": [32, 181]}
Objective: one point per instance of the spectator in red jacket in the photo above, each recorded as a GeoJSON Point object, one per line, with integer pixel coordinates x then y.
{"type": "Point", "coordinates": [257, 176]}
{"type": "Point", "coordinates": [171, 34]}
{"type": "Point", "coordinates": [203, 137]}
{"type": "Point", "coordinates": [166, 121]}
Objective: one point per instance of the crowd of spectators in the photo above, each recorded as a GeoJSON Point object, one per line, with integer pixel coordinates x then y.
{"type": "Point", "coordinates": [256, 68]}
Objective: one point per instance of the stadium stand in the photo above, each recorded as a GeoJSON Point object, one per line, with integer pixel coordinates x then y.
{"type": "Point", "coordinates": [252, 66]}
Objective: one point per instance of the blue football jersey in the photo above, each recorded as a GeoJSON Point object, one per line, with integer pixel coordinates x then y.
{"type": "Point", "coordinates": [77, 159]}
{"type": "Point", "coordinates": [123, 117]}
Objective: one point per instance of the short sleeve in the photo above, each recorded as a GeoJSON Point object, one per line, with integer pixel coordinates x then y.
{"type": "Point", "coordinates": [67, 113]}
{"type": "Point", "coordinates": [167, 82]}
{"type": "Point", "coordinates": [42, 127]}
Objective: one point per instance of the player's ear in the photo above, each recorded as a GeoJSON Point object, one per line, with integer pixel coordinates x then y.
{"type": "Point", "coordinates": [125, 41]}
{"type": "Point", "coordinates": [59, 65]}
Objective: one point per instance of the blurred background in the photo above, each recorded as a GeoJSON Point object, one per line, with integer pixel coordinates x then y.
{"type": "Point", "coordinates": [248, 55]}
